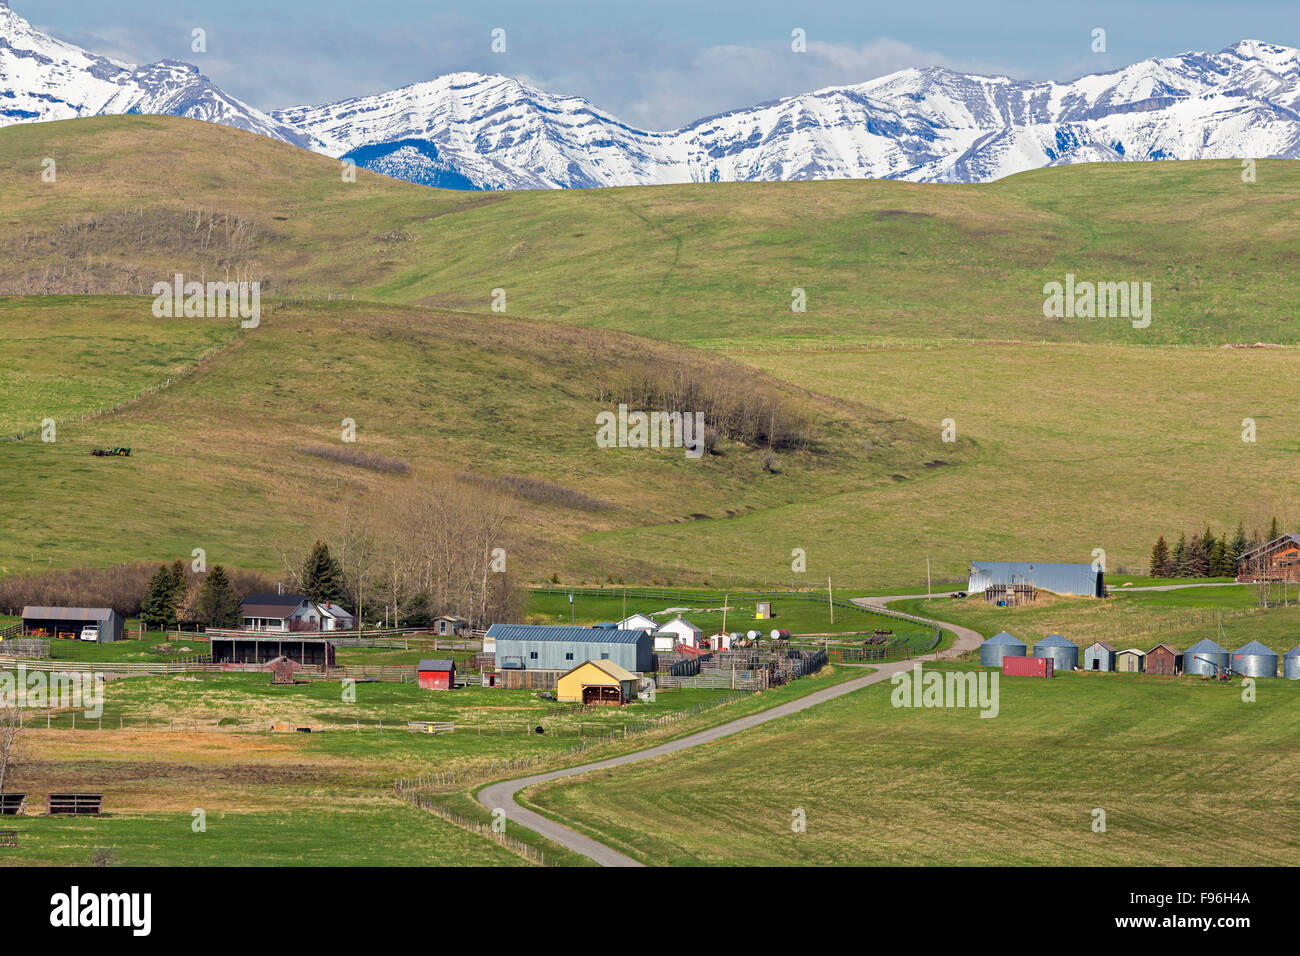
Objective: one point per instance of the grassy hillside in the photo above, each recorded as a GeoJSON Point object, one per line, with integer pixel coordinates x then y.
{"type": "Point", "coordinates": [1104, 436]}
{"type": "Point", "coordinates": [1186, 772]}
{"type": "Point", "coordinates": [138, 198]}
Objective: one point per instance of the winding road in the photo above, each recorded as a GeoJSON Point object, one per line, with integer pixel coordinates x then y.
{"type": "Point", "coordinates": [501, 796]}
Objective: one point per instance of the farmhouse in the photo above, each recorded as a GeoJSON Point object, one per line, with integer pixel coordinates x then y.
{"type": "Point", "coordinates": [677, 631]}
{"type": "Point", "coordinates": [1099, 656]}
{"type": "Point", "coordinates": [1163, 659]}
{"type": "Point", "coordinates": [1130, 660]}
{"type": "Point", "coordinates": [1081, 579]}
{"type": "Point", "coordinates": [1277, 560]}
{"type": "Point", "coordinates": [638, 621]}
{"type": "Point", "coordinates": [597, 682]}
{"type": "Point", "coordinates": [561, 647]}
{"type": "Point", "coordinates": [279, 612]}
{"type": "Point", "coordinates": [437, 674]}
{"type": "Point", "coordinates": [71, 621]}
{"type": "Point", "coordinates": [334, 617]}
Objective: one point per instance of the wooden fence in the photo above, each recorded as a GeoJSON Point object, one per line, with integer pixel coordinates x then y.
{"type": "Point", "coordinates": [519, 847]}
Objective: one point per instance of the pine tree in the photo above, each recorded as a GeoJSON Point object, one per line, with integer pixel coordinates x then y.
{"type": "Point", "coordinates": [1179, 559]}
{"type": "Point", "coordinates": [1198, 558]}
{"type": "Point", "coordinates": [180, 585]}
{"type": "Point", "coordinates": [1160, 566]}
{"type": "Point", "coordinates": [1240, 545]}
{"type": "Point", "coordinates": [1274, 532]}
{"type": "Point", "coordinates": [159, 606]}
{"type": "Point", "coordinates": [322, 579]}
{"type": "Point", "coordinates": [1219, 563]}
{"type": "Point", "coordinates": [217, 604]}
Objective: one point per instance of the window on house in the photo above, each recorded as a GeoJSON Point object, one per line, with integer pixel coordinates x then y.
{"type": "Point", "coordinates": [532, 655]}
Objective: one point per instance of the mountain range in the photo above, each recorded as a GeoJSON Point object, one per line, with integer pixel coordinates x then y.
{"type": "Point", "coordinates": [479, 131]}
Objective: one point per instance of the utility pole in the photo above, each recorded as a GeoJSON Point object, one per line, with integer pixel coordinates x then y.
{"type": "Point", "coordinates": [830, 599]}
{"type": "Point", "coordinates": [928, 595]}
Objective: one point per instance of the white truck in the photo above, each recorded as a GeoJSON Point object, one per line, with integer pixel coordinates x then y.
{"type": "Point", "coordinates": [90, 632]}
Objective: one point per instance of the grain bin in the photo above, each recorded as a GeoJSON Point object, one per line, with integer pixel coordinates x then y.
{"type": "Point", "coordinates": [1064, 654]}
{"type": "Point", "coordinates": [1254, 660]}
{"type": "Point", "coordinates": [1202, 657]}
{"type": "Point", "coordinates": [998, 646]}
{"type": "Point", "coordinates": [1291, 664]}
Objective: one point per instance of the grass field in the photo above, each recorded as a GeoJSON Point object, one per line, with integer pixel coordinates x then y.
{"type": "Point", "coordinates": [1186, 772]}
{"type": "Point", "coordinates": [924, 305]}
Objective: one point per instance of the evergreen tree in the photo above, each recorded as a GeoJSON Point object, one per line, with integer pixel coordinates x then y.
{"type": "Point", "coordinates": [1219, 562]}
{"type": "Point", "coordinates": [1240, 545]}
{"type": "Point", "coordinates": [180, 585]}
{"type": "Point", "coordinates": [322, 579]}
{"type": "Point", "coordinates": [159, 606]}
{"type": "Point", "coordinates": [1160, 566]}
{"type": "Point", "coordinates": [1179, 559]}
{"type": "Point", "coordinates": [1274, 532]}
{"type": "Point", "coordinates": [1198, 558]}
{"type": "Point", "coordinates": [217, 604]}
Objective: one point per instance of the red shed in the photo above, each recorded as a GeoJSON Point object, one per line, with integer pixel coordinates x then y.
{"type": "Point", "coordinates": [438, 675]}
{"type": "Point", "coordinates": [1028, 666]}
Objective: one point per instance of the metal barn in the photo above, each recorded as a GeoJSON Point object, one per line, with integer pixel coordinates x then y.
{"type": "Point", "coordinates": [562, 648]}
{"type": "Point", "coordinates": [1255, 660]}
{"type": "Point", "coordinates": [1064, 653]}
{"type": "Point", "coordinates": [261, 649]}
{"type": "Point", "coordinates": [69, 621]}
{"type": "Point", "coordinates": [1204, 658]}
{"type": "Point", "coordinates": [1099, 656]}
{"type": "Point", "coordinates": [998, 646]}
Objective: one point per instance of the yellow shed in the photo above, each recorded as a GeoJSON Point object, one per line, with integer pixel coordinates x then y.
{"type": "Point", "coordinates": [597, 682]}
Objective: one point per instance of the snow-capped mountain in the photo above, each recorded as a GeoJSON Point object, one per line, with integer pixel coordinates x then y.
{"type": "Point", "coordinates": [931, 125]}
{"type": "Point", "coordinates": [42, 78]}
{"type": "Point", "coordinates": [476, 131]}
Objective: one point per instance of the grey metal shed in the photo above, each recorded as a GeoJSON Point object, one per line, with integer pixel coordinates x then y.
{"type": "Point", "coordinates": [1255, 660]}
{"type": "Point", "coordinates": [1204, 657]}
{"type": "Point", "coordinates": [998, 646]}
{"type": "Point", "coordinates": [562, 648]}
{"type": "Point", "coordinates": [56, 620]}
{"type": "Point", "coordinates": [1064, 653]}
{"type": "Point", "coordinates": [1099, 656]}
{"type": "Point", "coordinates": [1291, 664]}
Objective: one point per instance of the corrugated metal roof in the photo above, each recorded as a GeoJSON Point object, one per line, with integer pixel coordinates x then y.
{"type": "Point", "coordinates": [1294, 652]}
{"type": "Point", "coordinates": [563, 632]}
{"type": "Point", "coordinates": [1255, 649]}
{"type": "Point", "coordinates": [1206, 646]}
{"type": "Point", "coordinates": [1053, 640]}
{"type": "Point", "coordinates": [1267, 545]}
{"type": "Point", "coordinates": [67, 613]}
{"type": "Point", "coordinates": [1002, 637]}
{"type": "Point", "coordinates": [439, 664]}
{"type": "Point", "coordinates": [1081, 579]}
{"type": "Point", "coordinates": [1132, 650]}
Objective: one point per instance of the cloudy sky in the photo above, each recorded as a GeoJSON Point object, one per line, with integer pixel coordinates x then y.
{"type": "Point", "coordinates": [656, 64]}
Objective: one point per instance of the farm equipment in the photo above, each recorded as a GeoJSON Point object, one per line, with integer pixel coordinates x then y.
{"type": "Point", "coordinates": [118, 452]}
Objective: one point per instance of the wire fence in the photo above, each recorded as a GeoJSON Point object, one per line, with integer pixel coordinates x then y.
{"type": "Point", "coordinates": [428, 803]}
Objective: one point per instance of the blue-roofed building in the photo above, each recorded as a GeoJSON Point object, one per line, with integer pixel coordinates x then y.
{"type": "Point", "coordinates": [562, 647]}
{"type": "Point", "coordinates": [1080, 579]}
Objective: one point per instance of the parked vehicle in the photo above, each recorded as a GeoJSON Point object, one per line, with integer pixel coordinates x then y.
{"type": "Point", "coordinates": [90, 632]}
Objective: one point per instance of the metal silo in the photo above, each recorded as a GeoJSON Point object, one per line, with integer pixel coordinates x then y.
{"type": "Point", "coordinates": [1202, 657]}
{"type": "Point", "coordinates": [1254, 660]}
{"type": "Point", "coordinates": [1291, 664]}
{"type": "Point", "coordinates": [998, 646]}
{"type": "Point", "coordinates": [1064, 653]}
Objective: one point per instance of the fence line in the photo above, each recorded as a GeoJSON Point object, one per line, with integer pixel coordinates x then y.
{"type": "Point", "coordinates": [514, 845]}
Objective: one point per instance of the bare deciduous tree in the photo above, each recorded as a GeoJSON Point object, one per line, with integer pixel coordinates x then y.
{"type": "Point", "coordinates": [11, 731]}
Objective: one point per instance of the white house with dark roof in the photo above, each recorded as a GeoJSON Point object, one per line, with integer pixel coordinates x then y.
{"type": "Point", "coordinates": [278, 612]}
